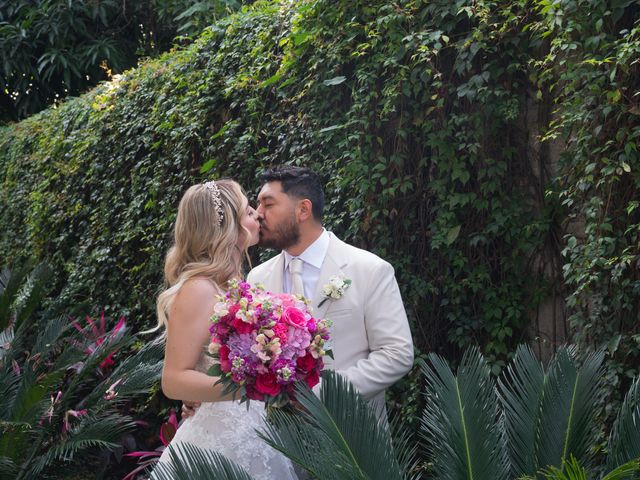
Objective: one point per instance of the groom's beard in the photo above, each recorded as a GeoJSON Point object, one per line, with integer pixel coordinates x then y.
{"type": "Point", "coordinates": [283, 236]}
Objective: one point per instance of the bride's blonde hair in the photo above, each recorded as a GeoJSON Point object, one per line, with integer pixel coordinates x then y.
{"type": "Point", "coordinates": [205, 240]}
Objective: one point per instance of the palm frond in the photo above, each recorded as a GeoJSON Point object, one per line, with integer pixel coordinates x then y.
{"type": "Point", "coordinates": [150, 351]}
{"type": "Point", "coordinates": [5, 276]}
{"type": "Point", "coordinates": [31, 292]}
{"type": "Point", "coordinates": [9, 386]}
{"type": "Point", "coordinates": [188, 462]}
{"type": "Point", "coordinates": [624, 441]}
{"type": "Point", "coordinates": [8, 469]}
{"type": "Point", "coordinates": [6, 341]}
{"type": "Point", "coordinates": [10, 281]}
{"type": "Point", "coordinates": [149, 354]}
{"type": "Point", "coordinates": [34, 391]}
{"type": "Point", "coordinates": [521, 390]}
{"type": "Point", "coordinates": [570, 470]}
{"type": "Point", "coordinates": [136, 375]}
{"type": "Point", "coordinates": [129, 384]}
{"type": "Point", "coordinates": [64, 453]}
{"type": "Point", "coordinates": [14, 419]}
{"type": "Point", "coordinates": [295, 436]}
{"type": "Point", "coordinates": [92, 432]}
{"type": "Point", "coordinates": [338, 436]}
{"type": "Point", "coordinates": [52, 332]}
{"type": "Point", "coordinates": [568, 408]}
{"type": "Point", "coordinates": [459, 423]}
{"type": "Point", "coordinates": [626, 471]}
{"type": "Point", "coordinates": [107, 427]}
{"type": "Point", "coordinates": [405, 447]}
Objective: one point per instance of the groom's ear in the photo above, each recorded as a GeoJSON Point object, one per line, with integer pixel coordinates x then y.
{"type": "Point", "coordinates": [305, 210]}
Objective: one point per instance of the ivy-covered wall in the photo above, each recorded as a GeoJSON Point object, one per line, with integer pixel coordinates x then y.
{"type": "Point", "coordinates": [417, 115]}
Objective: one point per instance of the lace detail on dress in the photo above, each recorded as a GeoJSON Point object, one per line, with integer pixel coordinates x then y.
{"type": "Point", "coordinates": [230, 429]}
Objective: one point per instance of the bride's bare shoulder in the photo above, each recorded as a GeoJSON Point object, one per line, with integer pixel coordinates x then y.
{"type": "Point", "coordinates": [199, 287]}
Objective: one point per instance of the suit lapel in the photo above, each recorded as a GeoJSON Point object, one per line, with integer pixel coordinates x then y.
{"type": "Point", "coordinates": [331, 266]}
{"type": "Point", "coordinates": [273, 278]}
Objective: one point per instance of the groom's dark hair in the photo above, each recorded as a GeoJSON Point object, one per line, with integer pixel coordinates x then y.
{"type": "Point", "coordinates": [298, 182]}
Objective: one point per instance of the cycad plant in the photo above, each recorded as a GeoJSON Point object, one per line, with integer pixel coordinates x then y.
{"type": "Point", "coordinates": [334, 437]}
{"type": "Point", "coordinates": [58, 396]}
{"type": "Point", "coordinates": [533, 423]}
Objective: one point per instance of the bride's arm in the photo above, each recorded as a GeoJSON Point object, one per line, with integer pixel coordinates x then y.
{"type": "Point", "coordinates": [187, 334]}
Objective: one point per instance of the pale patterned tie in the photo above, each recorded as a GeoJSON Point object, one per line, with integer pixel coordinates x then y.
{"type": "Point", "coordinates": [295, 269]}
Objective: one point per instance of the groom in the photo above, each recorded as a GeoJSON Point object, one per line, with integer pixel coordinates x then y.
{"type": "Point", "coordinates": [370, 337]}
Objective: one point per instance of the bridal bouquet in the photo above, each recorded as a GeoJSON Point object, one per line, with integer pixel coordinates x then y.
{"type": "Point", "coordinates": [265, 342]}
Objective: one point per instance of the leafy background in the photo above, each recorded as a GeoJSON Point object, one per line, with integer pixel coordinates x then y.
{"type": "Point", "coordinates": [488, 150]}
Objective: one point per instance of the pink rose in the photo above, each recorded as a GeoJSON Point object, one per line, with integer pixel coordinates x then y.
{"type": "Point", "coordinates": [268, 384]}
{"type": "Point", "coordinates": [241, 327]}
{"type": "Point", "coordinates": [294, 317]}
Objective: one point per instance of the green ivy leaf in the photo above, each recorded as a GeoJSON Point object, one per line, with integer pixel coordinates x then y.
{"type": "Point", "coordinates": [208, 165]}
{"type": "Point", "coordinates": [334, 81]}
{"type": "Point", "coordinates": [452, 234]}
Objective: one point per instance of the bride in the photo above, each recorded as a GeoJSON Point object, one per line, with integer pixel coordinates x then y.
{"type": "Point", "coordinates": [214, 227]}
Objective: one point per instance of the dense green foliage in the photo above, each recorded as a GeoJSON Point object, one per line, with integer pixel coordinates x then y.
{"type": "Point", "coordinates": [599, 179]}
{"type": "Point", "coordinates": [53, 48]}
{"type": "Point", "coordinates": [421, 118]}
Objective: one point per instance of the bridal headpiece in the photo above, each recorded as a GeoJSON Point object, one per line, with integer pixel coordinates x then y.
{"type": "Point", "coordinates": [216, 198]}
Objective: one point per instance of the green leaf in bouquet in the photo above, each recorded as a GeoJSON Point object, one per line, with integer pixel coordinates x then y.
{"type": "Point", "coordinates": [214, 370]}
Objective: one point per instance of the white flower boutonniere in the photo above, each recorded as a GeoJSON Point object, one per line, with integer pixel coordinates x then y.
{"type": "Point", "coordinates": [335, 288]}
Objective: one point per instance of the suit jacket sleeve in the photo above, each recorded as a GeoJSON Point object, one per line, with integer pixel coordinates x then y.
{"type": "Point", "coordinates": [388, 335]}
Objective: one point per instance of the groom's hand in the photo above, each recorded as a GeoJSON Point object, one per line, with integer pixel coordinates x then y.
{"type": "Point", "coordinates": [189, 409]}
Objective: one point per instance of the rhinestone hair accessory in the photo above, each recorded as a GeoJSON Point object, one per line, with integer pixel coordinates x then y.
{"type": "Point", "coordinates": [216, 198]}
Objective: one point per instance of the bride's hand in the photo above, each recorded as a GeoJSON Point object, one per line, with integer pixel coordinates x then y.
{"type": "Point", "coordinates": [189, 408]}
{"type": "Point", "coordinates": [297, 405]}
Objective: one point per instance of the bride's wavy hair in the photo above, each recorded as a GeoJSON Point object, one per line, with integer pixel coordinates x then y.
{"type": "Point", "coordinates": [204, 244]}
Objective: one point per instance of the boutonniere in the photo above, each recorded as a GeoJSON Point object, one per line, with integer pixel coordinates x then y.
{"type": "Point", "coordinates": [335, 288]}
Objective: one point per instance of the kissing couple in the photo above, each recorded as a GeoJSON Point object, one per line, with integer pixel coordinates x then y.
{"type": "Point", "coordinates": [215, 225]}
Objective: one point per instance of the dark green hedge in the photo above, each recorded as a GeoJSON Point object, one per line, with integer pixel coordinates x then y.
{"type": "Point", "coordinates": [419, 115]}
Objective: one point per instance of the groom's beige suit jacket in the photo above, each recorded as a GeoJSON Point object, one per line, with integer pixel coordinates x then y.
{"type": "Point", "coordinates": [370, 336]}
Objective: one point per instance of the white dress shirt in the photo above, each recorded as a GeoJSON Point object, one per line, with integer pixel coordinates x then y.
{"type": "Point", "coordinates": [312, 259]}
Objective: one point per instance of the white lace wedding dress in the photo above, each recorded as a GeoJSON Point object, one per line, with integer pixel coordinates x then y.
{"type": "Point", "coordinates": [230, 429]}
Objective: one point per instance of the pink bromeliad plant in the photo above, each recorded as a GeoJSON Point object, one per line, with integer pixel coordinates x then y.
{"type": "Point", "coordinates": [147, 459]}
{"type": "Point", "coordinates": [94, 335]}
